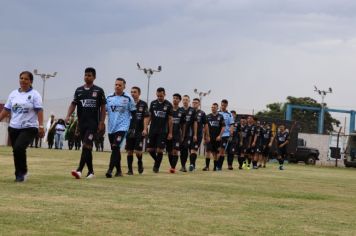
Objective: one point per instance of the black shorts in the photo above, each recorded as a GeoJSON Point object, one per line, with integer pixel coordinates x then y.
{"type": "Point", "coordinates": [134, 143]}
{"type": "Point", "coordinates": [196, 145]}
{"type": "Point", "coordinates": [213, 146]}
{"type": "Point", "coordinates": [224, 143]}
{"type": "Point", "coordinates": [282, 152]}
{"type": "Point", "coordinates": [266, 150]}
{"type": "Point", "coordinates": [173, 144]}
{"type": "Point", "coordinates": [116, 139]}
{"type": "Point", "coordinates": [259, 149]}
{"type": "Point", "coordinates": [88, 135]}
{"type": "Point", "coordinates": [157, 140]}
{"type": "Point", "coordinates": [187, 142]}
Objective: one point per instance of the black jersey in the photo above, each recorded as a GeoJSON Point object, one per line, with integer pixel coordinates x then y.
{"type": "Point", "coordinates": [282, 137]}
{"type": "Point", "coordinates": [159, 113]}
{"type": "Point", "coordinates": [88, 102]}
{"type": "Point", "coordinates": [189, 121]}
{"type": "Point", "coordinates": [248, 134]}
{"type": "Point", "coordinates": [259, 136]}
{"type": "Point", "coordinates": [137, 121]}
{"type": "Point", "coordinates": [266, 136]}
{"type": "Point", "coordinates": [215, 122]}
{"type": "Point", "coordinates": [178, 121]}
{"type": "Point", "coordinates": [237, 130]}
{"type": "Point", "coordinates": [200, 118]}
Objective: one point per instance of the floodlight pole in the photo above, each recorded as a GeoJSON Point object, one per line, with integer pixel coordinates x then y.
{"type": "Point", "coordinates": [201, 96]}
{"type": "Point", "coordinates": [322, 94]}
{"type": "Point", "coordinates": [149, 72]}
{"type": "Point", "coordinates": [44, 77]}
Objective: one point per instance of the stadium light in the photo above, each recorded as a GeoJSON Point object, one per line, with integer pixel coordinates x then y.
{"type": "Point", "coordinates": [201, 96]}
{"type": "Point", "coordinates": [44, 77]}
{"type": "Point", "coordinates": [149, 72]}
{"type": "Point", "coordinates": [322, 94]}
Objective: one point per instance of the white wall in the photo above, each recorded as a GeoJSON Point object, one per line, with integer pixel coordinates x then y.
{"type": "Point", "coordinates": [3, 133]}
{"type": "Point", "coordinates": [320, 142]}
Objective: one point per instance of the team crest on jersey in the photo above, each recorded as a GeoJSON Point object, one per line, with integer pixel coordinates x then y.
{"type": "Point", "coordinates": [179, 114]}
{"type": "Point", "coordinates": [190, 112]}
{"type": "Point", "coordinates": [29, 97]}
{"type": "Point", "coordinates": [140, 144]}
{"type": "Point", "coordinates": [218, 118]}
{"type": "Point", "coordinates": [165, 108]}
{"type": "Point", "coordinates": [95, 94]}
{"type": "Point", "coordinates": [90, 137]}
{"type": "Point", "coordinates": [140, 109]}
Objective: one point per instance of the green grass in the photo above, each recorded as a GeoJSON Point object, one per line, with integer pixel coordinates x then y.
{"type": "Point", "coordinates": [302, 200]}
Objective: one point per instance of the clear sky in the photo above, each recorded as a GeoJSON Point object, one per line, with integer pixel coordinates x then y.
{"type": "Point", "coordinates": [251, 52]}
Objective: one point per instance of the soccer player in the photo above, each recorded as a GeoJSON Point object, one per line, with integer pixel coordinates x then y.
{"type": "Point", "coordinates": [90, 101]}
{"type": "Point", "coordinates": [161, 126]}
{"type": "Point", "coordinates": [258, 145]}
{"type": "Point", "coordinates": [282, 139]}
{"type": "Point", "coordinates": [134, 140]}
{"type": "Point", "coordinates": [188, 133]}
{"type": "Point", "coordinates": [201, 130]}
{"type": "Point", "coordinates": [267, 141]}
{"type": "Point", "coordinates": [236, 139]}
{"type": "Point", "coordinates": [225, 144]}
{"type": "Point", "coordinates": [174, 144]}
{"type": "Point", "coordinates": [242, 141]}
{"type": "Point", "coordinates": [248, 141]}
{"type": "Point", "coordinates": [216, 125]}
{"type": "Point", "coordinates": [120, 107]}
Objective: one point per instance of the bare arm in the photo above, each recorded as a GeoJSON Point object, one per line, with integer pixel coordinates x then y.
{"type": "Point", "coordinates": [146, 122]}
{"type": "Point", "coordinates": [71, 109]}
{"type": "Point", "coordinates": [4, 113]}
{"type": "Point", "coordinates": [40, 122]}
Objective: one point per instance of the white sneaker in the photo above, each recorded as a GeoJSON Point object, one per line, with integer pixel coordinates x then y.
{"type": "Point", "coordinates": [90, 176]}
{"type": "Point", "coordinates": [76, 174]}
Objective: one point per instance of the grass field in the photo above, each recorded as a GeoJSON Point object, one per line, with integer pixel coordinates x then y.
{"type": "Point", "coordinates": [302, 200]}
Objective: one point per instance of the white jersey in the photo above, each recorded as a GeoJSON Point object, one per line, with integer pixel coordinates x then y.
{"type": "Point", "coordinates": [24, 107]}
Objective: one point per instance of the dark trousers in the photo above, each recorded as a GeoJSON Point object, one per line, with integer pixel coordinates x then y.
{"type": "Point", "coordinates": [20, 139]}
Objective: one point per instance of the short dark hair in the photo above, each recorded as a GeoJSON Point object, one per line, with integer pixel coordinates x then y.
{"type": "Point", "coordinates": [233, 111]}
{"type": "Point", "coordinates": [160, 89]}
{"type": "Point", "coordinates": [224, 101]}
{"type": "Point", "coordinates": [137, 88]}
{"type": "Point", "coordinates": [90, 70]}
{"type": "Point", "coordinates": [121, 79]}
{"type": "Point", "coordinates": [177, 95]}
{"type": "Point", "coordinates": [215, 104]}
{"type": "Point", "coordinates": [27, 73]}
{"type": "Point", "coordinates": [196, 99]}
{"type": "Point", "coordinates": [187, 96]}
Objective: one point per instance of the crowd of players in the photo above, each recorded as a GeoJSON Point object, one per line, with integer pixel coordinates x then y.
{"type": "Point", "coordinates": [167, 126]}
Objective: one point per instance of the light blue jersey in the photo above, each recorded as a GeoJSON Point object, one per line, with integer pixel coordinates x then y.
{"type": "Point", "coordinates": [119, 112]}
{"type": "Point", "coordinates": [229, 120]}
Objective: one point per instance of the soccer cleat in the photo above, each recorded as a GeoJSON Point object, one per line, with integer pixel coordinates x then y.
{"type": "Point", "coordinates": [255, 167]}
{"type": "Point", "coordinates": [155, 169]}
{"type": "Point", "coordinates": [140, 169]}
{"type": "Point", "coordinates": [172, 170]}
{"type": "Point", "coordinates": [90, 176]}
{"type": "Point", "coordinates": [230, 168]}
{"type": "Point", "coordinates": [240, 167]}
{"type": "Point", "coordinates": [20, 178]}
{"type": "Point", "coordinates": [281, 168]}
{"type": "Point", "coordinates": [108, 175]}
{"type": "Point", "coordinates": [183, 169]}
{"type": "Point", "coordinates": [218, 169]}
{"type": "Point", "coordinates": [118, 174]}
{"type": "Point", "coordinates": [264, 166]}
{"type": "Point", "coordinates": [76, 174]}
{"type": "Point", "coordinates": [206, 168]}
{"type": "Point", "coordinates": [244, 165]}
{"type": "Point", "coordinates": [130, 172]}
{"type": "Point", "coordinates": [248, 167]}
{"type": "Point", "coordinates": [191, 168]}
